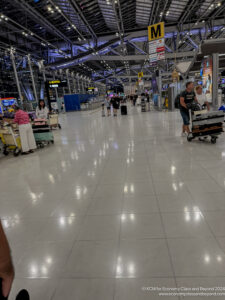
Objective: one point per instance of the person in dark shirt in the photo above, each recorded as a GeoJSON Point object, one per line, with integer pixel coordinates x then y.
{"type": "Point", "coordinates": [186, 98]}
{"type": "Point", "coordinates": [115, 101]}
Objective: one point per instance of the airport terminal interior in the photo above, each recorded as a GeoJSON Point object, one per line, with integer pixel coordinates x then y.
{"type": "Point", "coordinates": [112, 149]}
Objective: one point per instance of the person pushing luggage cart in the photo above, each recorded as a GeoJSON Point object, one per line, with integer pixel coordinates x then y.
{"type": "Point", "coordinates": [26, 133]}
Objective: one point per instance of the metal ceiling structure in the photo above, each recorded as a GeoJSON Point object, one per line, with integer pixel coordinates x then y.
{"type": "Point", "coordinates": [103, 38]}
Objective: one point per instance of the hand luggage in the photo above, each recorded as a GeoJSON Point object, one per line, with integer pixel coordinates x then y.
{"type": "Point", "coordinates": [123, 110]}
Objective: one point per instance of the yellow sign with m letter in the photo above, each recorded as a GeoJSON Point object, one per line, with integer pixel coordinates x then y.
{"type": "Point", "coordinates": [156, 31]}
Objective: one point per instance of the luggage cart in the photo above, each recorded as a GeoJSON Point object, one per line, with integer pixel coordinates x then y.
{"type": "Point", "coordinates": [11, 140]}
{"type": "Point", "coordinates": [54, 121]}
{"type": "Point", "coordinates": [42, 133]}
{"type": "Point", "coordinates": [206, 125]}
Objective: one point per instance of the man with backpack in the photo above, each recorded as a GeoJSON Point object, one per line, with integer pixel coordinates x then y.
{"type": "Point", "coordinates": [187, 97]}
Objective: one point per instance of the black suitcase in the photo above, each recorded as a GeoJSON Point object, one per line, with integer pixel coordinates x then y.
{"type": "Point", "coordinates": [123, 110]}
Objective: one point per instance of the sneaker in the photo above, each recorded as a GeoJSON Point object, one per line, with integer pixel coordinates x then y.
{"type": "Point", "coordinates": [183, 134]}
{"type": "Point", "coordinates": [23, 295]}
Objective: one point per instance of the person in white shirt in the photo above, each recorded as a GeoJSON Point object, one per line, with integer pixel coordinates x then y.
{"type": "Point", "coordinates": [202, 99]}
{"type": "Point", "coordinates": [41, 110]}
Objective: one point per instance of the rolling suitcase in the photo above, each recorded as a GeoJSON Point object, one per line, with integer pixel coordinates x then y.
{"type": "Point", "coordinates": [123, 110]}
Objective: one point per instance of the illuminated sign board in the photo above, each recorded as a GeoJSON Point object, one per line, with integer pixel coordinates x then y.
{"type": "Point", "coordinates": [156, 31]}
{"type": "Point", "coordinates": [54, 81]}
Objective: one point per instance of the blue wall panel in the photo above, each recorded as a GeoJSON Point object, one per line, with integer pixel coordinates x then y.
{"type": "Point", "coordinates": [72, 102]}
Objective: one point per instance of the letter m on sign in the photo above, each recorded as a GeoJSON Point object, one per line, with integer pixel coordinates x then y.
{"type": "Point", "coordinates": [156, 31]}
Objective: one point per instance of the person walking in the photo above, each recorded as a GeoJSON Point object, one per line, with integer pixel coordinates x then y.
{"type": "Point", "coordinates": [108, 106]}
{"type": "Point", "coordinates": [26, 133]}
{"type": "Point", "coordinates": [186, 98]}
{"type": "Point", "coordinates": [116, 105]}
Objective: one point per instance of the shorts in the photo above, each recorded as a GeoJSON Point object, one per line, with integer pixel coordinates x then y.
{"type": "Point", "coordinates": [108, 107]}
{"type": "Point", "coordinates": [185, 116]}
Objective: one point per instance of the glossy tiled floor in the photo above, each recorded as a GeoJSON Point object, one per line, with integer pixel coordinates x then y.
{"type": "Point", "coordinates": [116, 205]}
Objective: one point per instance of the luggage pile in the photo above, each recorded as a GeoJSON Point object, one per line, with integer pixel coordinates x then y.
{"type": "Point", "coordinates": [206, 124]}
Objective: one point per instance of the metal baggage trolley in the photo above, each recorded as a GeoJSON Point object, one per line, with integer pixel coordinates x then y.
{"type": "Point", "coordinates": [206, 125]}
{"type": "Point", "coordinates": [54, 121]}
{"type": "Point", "coordinates": [42, 133]}
{"type": "Point", "coordinates": [11, 140]}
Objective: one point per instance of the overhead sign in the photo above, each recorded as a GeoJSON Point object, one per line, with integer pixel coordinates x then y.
{"type": "Point", "coordinates": [140, 74]}
{"type": "Point", "coordinates": [156, 39]}
{"type": "Point", "coordinates": [54, 81]}
{"type": "Point", "coordinates": [57, 83]}
{"type": "Point", "coordinates": [156, 31]}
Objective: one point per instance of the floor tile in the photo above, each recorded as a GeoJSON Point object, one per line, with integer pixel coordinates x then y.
{"type": "Point", "coordinates": [216, 221]}
{"type": "Point", "coordinates": [141, 226]}
{"type": "Point", "coordinates": [60, 229]}
{"type": "Point", "coordinates": [197, 257]}
{"type": "Point", "coordinates": [143, 259]}
{"type": "Point", "coordinates": [100, 228]}
{"type": "Point", "coordinates": [92, 259]}
{"type": "Point", "coordinates": [85, 289]}
{"type": "Point", "coordinates": [209, 201]}
{"type": "Point", "coordinates": [138, 189]}
{"type": "Point", "coordinates": [143, 204]}
{"type": "Point", "coordinates": [105, 206]}
{"type": "Point", "coordinates": [44, 260]}
{"type": "Point", "coordinates": [206, 285]}
{"type": "Point", "coordinates": [115, 205]}
{"type": "Point", "coordinates": [37, 288]}
{"type": "Point", "coordinates": [142, 289]}
{"type": "Point", "coordinates": [186, 224]}
{"type": "Point", "coordinates": [23, 230]}
{"type": "Point", "coordinates": [109, 190]}
{"type": "Point", "coordinates": [170, 187]}
{"type": "Point", "coordinates": [180, 202]}
{"type": "Point", "coordinates": [72, 207]}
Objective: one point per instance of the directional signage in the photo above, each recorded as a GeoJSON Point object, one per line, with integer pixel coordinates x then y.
{"type": "Point", "coordinates": [156, 31]}
{"type": "Point", "coordinates": [156, 39]}
{"type": "Point", "coordinates": [140, 74]}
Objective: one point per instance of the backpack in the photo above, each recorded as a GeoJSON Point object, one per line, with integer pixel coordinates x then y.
{"type": "Point", "coordinates": [177, 102]}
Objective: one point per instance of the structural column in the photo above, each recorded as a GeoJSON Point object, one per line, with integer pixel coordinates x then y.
{"type": "Point", "coordinates": [74, 82]}
{"type": "Point", "coordinates": [56, 91]}
{"type": "Point", "coordinates": [16, 75]}
{"type": "Point", "coordinates": [82, 84]}
{"type": "Point", "coordinates": [68, 81]}
{"type": "Point", "coordinates": [215, 58]}
{"type": "Point", "coordinates": [32, 78]}
{"type": "Point", "coordinates": [42, 68]}
{"type": "Point", "coordinates": [78, 84]}
{"type": "Point", "coordinates": [160, 90]}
